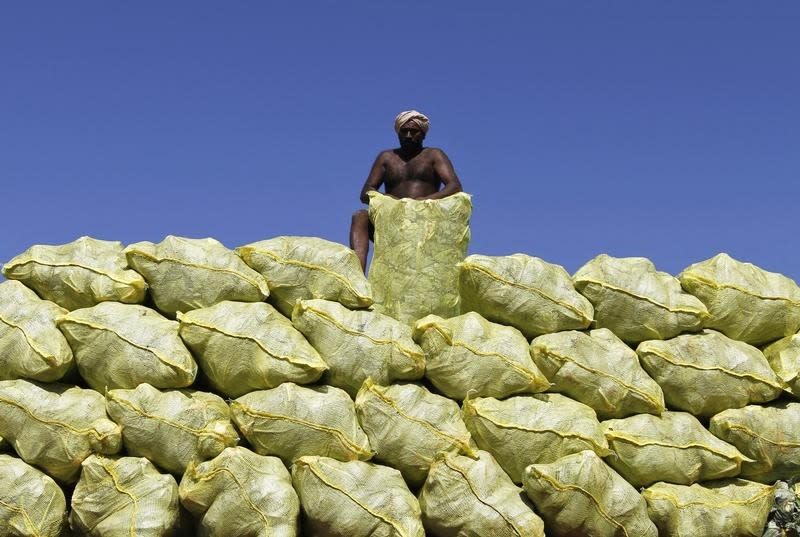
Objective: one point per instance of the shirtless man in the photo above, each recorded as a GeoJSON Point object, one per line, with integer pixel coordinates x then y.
{"type": "Point", "coordinates": [410, 171]}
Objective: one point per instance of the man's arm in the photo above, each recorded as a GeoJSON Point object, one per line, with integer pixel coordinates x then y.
{"type": "Point", "coordinates": [374, 179]}
{"type": "Point", "coordinates": [444, 170]}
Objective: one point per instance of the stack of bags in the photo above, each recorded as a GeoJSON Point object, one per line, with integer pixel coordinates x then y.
{"type": "Point", "coordinates": [182, 388]}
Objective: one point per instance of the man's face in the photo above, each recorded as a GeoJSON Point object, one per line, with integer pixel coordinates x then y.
{"type": "Point", "coordinates": [410, 135]}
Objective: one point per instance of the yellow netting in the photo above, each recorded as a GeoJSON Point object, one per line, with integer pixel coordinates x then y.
{"type": "Point", "coordinates": [31, 504]}
{"type": "Point", "coordinates": [784, 358]}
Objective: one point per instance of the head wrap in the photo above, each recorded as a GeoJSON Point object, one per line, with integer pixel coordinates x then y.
{"type": "Point", "coordinates": [418, 119]}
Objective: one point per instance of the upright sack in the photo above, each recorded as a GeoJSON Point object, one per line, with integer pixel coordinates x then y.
{"type": "Point", "coordinates": [769, 435]}
{"type": "Point", "coordinates": [635, 301]}
{"type": "Point", "coordinates": [407, 426]}
{"type": "Point", "coordinates": [345, 499]}
{"type": "Point", "coordinates": [31, 504]}
{"type": "Point", "coordinates": [599, 370]}
{"type": "Point", "coordinates": [470, 356]}
{"type": "Point", "coordinates": [241, 493]}
{"type": "Point", "coordinates": [55, 427]}
{"type": "Point", "coordinates": [187, 274]}
{"type": "Point", "coordinates": [299, 268]}
{"type": "Point", "coordinates": [418, 245]}
{"type": "Point", "coordinates": [122, 497]}
{"type": "Point", "coordinates": [534, 429]}
{"type": "Point", "coordinates": [580, 495]}
{"type": "Point", "coordinates": [525, 292]}
{"type": "Point", "coordinates": [466, 496]}
{"type": "Point", "coordinates": [247, 346]}
{"type": "Point", "coordinates": [744, 302]}
{"type": "Point", "coordinates": [78, 274]}
{"type": "Point", "coordinates": [172, 428]}
{"type": "Point", "coordinates": [723, 373]}
{"type": "Point", "coordinates": [358, 345]}
{"type": "Point", "coordinates": [31, 346]}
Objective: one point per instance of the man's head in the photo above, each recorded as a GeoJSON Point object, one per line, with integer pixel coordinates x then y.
{"type": "Point", "coordinates": [411, 127]}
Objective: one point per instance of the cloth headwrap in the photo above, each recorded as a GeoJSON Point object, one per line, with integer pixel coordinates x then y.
{"type": "Point", "coordinates": [419, 119]}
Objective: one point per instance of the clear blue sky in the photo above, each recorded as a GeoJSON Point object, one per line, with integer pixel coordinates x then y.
{"type": "Point", "coordinates": [669, 130]}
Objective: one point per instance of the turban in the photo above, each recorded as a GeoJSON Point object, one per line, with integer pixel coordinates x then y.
{"type": "Point", "coordinates": [418, 119]}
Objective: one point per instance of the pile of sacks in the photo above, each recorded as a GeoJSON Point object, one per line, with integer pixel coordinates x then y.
{"type": "Point", "coordinates": [182, 388]}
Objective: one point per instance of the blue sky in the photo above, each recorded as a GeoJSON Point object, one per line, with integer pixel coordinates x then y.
{"type": "Point", "coordinates": [669, 130]}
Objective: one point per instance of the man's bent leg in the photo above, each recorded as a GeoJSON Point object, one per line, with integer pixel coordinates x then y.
{"type": "Point", "coordinates": [359, 236]}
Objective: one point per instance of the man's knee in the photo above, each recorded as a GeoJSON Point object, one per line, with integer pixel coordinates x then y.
{"type": "Point", "coordinates": [360, 218]}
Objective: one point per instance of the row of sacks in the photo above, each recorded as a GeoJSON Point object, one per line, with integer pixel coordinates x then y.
{"type": "Point", "coordinates": [242, 347]}
{"type": "Point", "coordinates": [461, 458]}
{"type": "Point", "coordinates": [626, 295]}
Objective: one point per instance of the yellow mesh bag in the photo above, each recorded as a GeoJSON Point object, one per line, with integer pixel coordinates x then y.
{"type": "Point", "coordinates": [299, 268]}
{"type": "Point", "coordinates": [241, 493]}
{"type": "Point", "coordinates": [721, 372]}
{"type": "Point", "coordinates": [243, 346]}
{"type": "Point", "coordinates": [599, 370]}
{"type": "Point", "coordinates": [784, 358]}
{"type": "Point", "coordinates": [124, 497]}
{"type": "Point", "coordinates": [345, 499]}
{"type": "Point", "coordinates": [468, 355]}
{"type": "Point", "coordinates": [55, 427]}
{"type": "Point", "coordinates": [407, 426]}
{"type": "Point", "coordinates": [730, 507]}
{"type": "Point", "coordinates": [770, 435]}
{"type": "Point", "coordinates": [31, 346]}
{"type": "Point", "coordinates": [744, 302]}
{"type": "Point", "coordinates": [123, 345]}
{"type": "Point", "coordinates": [78, 274]}
{"type": "Point", "coordinates": [172, 428]}
{"type": "Point", "coordinates": [31, 504]}
{"type": "Point", "coordinates": [635, 301]}
{"type": "Point", "coordinates": [186, 274]}
{"type": "Point", "coordinates": [418, 244]}
{"type": "Point", "coordinates": [673, 447]}
{"type": "Point", "coordinates": [464, 496]}
{"type": "Point", "coordinates": [540, 428]}
{"type": "Point", "coordinates": [525, 292]}
{"type": "Point", "coordinates": [291, 421]}
{"type": "Point", "coordinates": [358, 344]}
{"type": "Point", "coordinates": [580, 495]}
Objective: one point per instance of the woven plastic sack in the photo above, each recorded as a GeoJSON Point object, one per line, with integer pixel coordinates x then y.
{"type": "Point", "coordinates": [172, 428]}
{"type": "Point", "coordinates": [347, 499]}
{"type": "Point", "coordinates": [55, 427]}
{"type": "Point", "coordinates": [468, 355]}
{"type": "Point", "coordinates": [465, 497]}
{"type": "Point", "coordinates": [525, 292]}
{"type": "Point", "coordinates": [123, 497]}
{"type": "Point", "coordinates": [540, 428]}
{"type": "Point", "coordinates": [358, 344]}
{"type": "Point", "coordinates": [246, 346]}
{"type": "Point", "coordinates": [291, 421]}
{"type": "Point", "coordinates": [784, 358]}
{"type": "Point", "coordinates": [635, 301]}
{"type": "Point", "coordinates": [123, 345]}
{"type": "Point", "coordinates": [418, 245]}
{"type": "Point", "coordinates": [241, 493]}
{"type": "Point", "coordinates": [407, 426]}
{"type": "Point", "coordinates": [299, 268]}
{"type": "Point", "coordinates": [721, 372]}
{"type": "Point", "coordinates": [187, 274]}
{"type": "Point", "coordinates": [730, 507]}
{"type": "Point", "coordinates": [673, 447]}
{"type": "Point", "coordinates": [770, 435]}
{"type": "Point", "coordinates": [599, 370]}
{"type": "Point", "coordinates": [744, 302]}
{"type": "Point", "coordinates": [31, 346]}
{"type": "Point", "coordinates": [580, 495]}
{"type": "Point", "coordinates": [78, 274]}
{"type": "Point", "coordinates": [31, 504]}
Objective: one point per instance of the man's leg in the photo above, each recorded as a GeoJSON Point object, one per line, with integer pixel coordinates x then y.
{"type": "Point", "coordinates": [359, 236]}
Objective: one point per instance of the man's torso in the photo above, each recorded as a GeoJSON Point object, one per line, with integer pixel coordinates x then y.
{"type": "Point", "coordinates": [413, 178]}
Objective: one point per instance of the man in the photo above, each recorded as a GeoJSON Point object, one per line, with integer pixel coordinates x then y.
{"type": "Point", "coordinates": [410, 171]}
